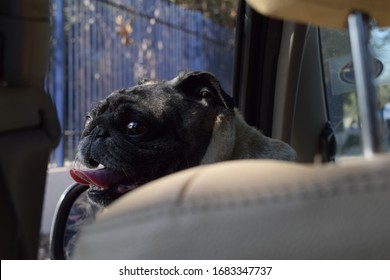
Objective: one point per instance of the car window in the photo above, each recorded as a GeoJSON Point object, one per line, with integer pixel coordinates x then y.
{"type": "Point", "coordinates": [99, 46]}
{"type": "Point", "coordinates": [341, 91]}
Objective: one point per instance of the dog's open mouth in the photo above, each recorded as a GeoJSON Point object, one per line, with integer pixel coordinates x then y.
{"type": "Point", "coordinates": [105, 184]}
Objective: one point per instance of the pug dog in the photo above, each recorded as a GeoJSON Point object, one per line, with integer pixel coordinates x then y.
{"type": "Point", "coordinates": [155, 128]}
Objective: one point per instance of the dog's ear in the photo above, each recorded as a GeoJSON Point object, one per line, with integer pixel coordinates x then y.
{"type": "Point", "coordinates": [203, 85]}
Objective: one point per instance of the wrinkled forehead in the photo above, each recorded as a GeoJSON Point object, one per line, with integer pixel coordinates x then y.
{"type": "Point", "coordinates": [151, 95]}
{"type": "Point", "coordinates": [148, 89]}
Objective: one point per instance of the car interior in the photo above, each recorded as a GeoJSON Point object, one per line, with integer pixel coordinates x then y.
{"type": "Point", "coordinates": [29, 127]}
{"type": "Point", "coordinates": [330, 204]}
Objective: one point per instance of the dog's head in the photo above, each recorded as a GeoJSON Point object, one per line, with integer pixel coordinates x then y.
{"type": "Point", "coordinates": [141, 133]}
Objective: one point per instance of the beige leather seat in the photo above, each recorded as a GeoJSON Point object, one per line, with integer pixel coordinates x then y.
{"type": "Point", "coordinates": [250, 210]}
{"type": "Point", "coordinates": [330, 13]}
{"type": "Point", "coordinates": [29, 126]}
{"type": "Point", "coordinates": [256, 209]}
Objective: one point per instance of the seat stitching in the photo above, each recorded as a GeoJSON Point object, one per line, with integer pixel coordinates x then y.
{"type": "Point", "coordinates": [249, 199]}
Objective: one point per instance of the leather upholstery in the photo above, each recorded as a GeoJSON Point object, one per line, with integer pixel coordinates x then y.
{"type": "Point", "coordinates": [25, 32]}
{"type": "Point", "coordinates": [328, 13]}
{"type": "Point", "coordinates": [29, 127]}
{"type": "Point", "coordinates": [250, 209]}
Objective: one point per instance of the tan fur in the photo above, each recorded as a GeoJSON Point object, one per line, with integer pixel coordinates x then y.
{"type": "Point", "coordinates": [233, 138]}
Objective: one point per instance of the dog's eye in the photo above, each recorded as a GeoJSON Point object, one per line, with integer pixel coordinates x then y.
{"type": "Point", "coordinates": [136, 128]}
{"type": "Point", "coordinates": [88, 120]}
{"type": "Point", "coordinates": [204, 92]}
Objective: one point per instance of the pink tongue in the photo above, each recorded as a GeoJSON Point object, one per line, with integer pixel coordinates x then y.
{"type": "Point", "coordinates": [98, 177]}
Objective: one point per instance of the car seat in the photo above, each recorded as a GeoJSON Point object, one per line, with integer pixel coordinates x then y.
{"type": "Point", "coordinates": [29, 127]}
{"type": "Point", "coordinates": [261, 209]}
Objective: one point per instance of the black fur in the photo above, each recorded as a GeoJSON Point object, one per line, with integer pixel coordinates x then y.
{"type": "Point", "coordinates": [173, 123]}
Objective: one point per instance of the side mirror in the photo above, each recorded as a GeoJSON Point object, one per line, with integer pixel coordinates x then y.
{"type": "Point", "coordinates": [72, 212]}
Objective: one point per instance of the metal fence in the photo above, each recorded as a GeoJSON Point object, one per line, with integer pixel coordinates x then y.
{"type": "Point", "coordinates": [103, 45]}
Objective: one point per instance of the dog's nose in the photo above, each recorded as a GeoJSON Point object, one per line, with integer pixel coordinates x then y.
{"type": "Point", "coordinates": [101, 131]}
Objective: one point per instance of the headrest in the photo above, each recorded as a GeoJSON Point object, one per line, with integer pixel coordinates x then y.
{"type": "Point", "coordinates": [327, 13]}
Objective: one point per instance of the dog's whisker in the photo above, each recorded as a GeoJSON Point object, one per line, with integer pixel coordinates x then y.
{"type": "Point", "coordinates": [77, 162]}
